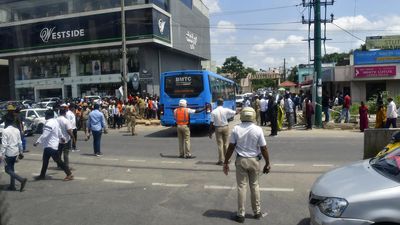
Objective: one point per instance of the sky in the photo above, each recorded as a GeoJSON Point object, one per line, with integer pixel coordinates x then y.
{"type": "Point", "coordinates": [262, 33]}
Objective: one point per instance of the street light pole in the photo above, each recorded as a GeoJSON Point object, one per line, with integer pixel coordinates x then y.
{"type": "Point", "coordinates": [124, 69]}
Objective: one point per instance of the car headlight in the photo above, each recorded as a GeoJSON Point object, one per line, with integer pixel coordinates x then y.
{"type": "Point", "coordinates": [333, 207]}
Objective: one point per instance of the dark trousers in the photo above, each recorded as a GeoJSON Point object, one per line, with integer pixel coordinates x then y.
{"type": "Point", "coordinates": [309, 122]}
{"type": "Point", "coordinates": [274, 125]}
{"type": "Point", "coordinates": [391, 121]}
{"type": "Point", "coordinates": [325, 109]}
{"type": "Point", "coordinates": [263, 118]}
{"type": "Point", "coordinates": [63, 149]}
{"type": "Point", "coordinates": [9, 168]}
{"type": "Point", "coordinates": [117, 121]}
{"type": "Point", "coordinates": [96, 141]}
{"type": "Point", "coordinates": [49, 152]}
{"type": "Point", "coordinates": [23, 139]}
{"type": "Point", "coordinates": [295, 114]}
{"type": "Point", "coordinates": [75, 133]}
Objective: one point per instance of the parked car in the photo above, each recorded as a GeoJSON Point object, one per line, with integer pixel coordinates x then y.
{"type": "Point", "coordinates": [93, 98]}
{"type": "Point", "coordinates": [45, 105]}
{"type": "Point", "coordinates": [34, 119]}
{"type": "Point", "coordinates": [239, 100]}
{"type": "Point", "coordinates": [366, 192]}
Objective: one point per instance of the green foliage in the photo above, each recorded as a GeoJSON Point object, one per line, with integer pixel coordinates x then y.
{"type": "Point", "coordinates": [293, 75]}
{"type": "Point", "coordinates": [341, 59]}
{"type": "Point", "coordinates": [263, 83]}
{"type": "Point", "coordinates": [234, 66]}
{"type": "Point", "coordinates": [354, 108]}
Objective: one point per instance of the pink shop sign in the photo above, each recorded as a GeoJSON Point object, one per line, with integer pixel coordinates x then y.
{"type": "Point", "coordinates": [375, 71]}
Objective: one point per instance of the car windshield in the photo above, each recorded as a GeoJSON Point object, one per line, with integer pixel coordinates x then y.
{"type": "Point", "coordinates": [41, 113]}
{"type": "Point", "coordinates": [388, 164]}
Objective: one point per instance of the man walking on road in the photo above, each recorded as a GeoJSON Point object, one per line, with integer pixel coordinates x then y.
{"type": "Point", "coordinates": [391, 113]}
{"type": "Point", "coordinates": [247, 140]}
{"type": "Point", "coordinates": [50, 140]}
{"type": "Point", "coordinates": [70, 115]}
{"type": "Point", "coordinates": [11, 149]}
{"type": "Point", "coordinates": [219, 125]}
{"type": "Point", "coordinates": [182, 118]}
{"type": "Point", "coordinates": [95, 124]}
{"type": "Point", "coordinates": [66, 130]}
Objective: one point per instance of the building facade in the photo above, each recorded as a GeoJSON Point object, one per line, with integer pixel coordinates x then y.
{"type": "Point", "coordinates": [72, 48]}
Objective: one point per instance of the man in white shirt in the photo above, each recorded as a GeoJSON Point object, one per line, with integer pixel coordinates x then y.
{"type": "Point", "coordinates": [219, 125]}
{"type": "Point", "coordinates": [11, 149]}
{"type": "Point", "coordinates": [50, 139]}
{"type": "Point", "coordinates": [247, 140]}
{"type": "Point", "coordinates": [70, 115]}
{"type": "Point", "coordinates": [263, 111]}
{"type": "Point", "coordinates": [391, 113]}
{"type": "Point", "coordinates": [66, 130]}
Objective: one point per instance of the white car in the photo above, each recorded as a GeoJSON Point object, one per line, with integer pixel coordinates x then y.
{"type": "Point", "coordinates": [239, 100]}
{"type": "Point", "coordinates": [35, 118]}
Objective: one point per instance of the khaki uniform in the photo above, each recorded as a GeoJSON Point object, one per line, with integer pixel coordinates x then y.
{"type": "Point", "coordinates": [184, 140]}
{"type": "Point", "coordinates": [256, 107]}
{"type": "Point", "coordinates": [85, 117]}
{"type": "Point", "coordinates": [131, 118]}
{"type": "Point", "coordinates": [142, 108]}
{"type": "Point", "coordinates": [222, 137]}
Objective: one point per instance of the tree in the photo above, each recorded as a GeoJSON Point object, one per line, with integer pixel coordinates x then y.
{"type": "Point", "coordinates": [341, 59]}
{"type": "Point", "coordinates": [293, 75]}
{"type": "Point", "coordinates": [234, 66]}
{"type": "Point", "coordinates": [263, 83]}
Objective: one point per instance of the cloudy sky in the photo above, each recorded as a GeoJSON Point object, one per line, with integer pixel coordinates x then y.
{"type": "Point", "coordinates": [261, 33]}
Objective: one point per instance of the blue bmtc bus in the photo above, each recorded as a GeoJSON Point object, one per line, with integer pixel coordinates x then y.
{"type": "Point", "coordinates": [200, 88]}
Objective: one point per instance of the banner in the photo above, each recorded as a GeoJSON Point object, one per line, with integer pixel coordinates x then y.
{"type": "Point", "coordinates": [376, 57]}
{"type": "Point", "coordinates": [383, 42]}
{"type": "Point", "coordinates": [375, 71]}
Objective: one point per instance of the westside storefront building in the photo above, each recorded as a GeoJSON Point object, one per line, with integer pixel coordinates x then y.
{"type": "Point", "coordinates": [72, 48]}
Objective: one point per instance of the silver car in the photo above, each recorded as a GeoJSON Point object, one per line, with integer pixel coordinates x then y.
{"type": "Point", "coordinates": [366, 192]}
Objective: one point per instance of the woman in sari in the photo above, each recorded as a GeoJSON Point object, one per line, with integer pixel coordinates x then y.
{"type": "Point", "coordinates": [380, 117]}
{"type": "Point", "coordinates": [363, 111]}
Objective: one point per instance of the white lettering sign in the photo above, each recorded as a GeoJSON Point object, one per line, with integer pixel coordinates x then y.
{"type": "Point", "coordinates": [191, 38]}
{"type": "Point", "coordinates": [48, 33]}
{"type": "Point", "coordinates": [183, 79]}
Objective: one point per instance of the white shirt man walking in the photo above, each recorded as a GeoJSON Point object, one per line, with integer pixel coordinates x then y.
{"type": "Point", "coordinates": [11, 149]}
{"type": "Point", "coordinates": [50, 140]}
{"type": "Point", "coordinates": [247, 140]}
{"type": "Point", "coordinates": [219, 125]}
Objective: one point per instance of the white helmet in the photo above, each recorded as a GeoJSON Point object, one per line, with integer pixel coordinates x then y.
{"type": "Point", "coordinates": [248, 114]}
{"type": "Point", "coordinates": [182, 103]}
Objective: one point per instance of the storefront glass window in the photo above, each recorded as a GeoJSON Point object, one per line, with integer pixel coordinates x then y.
{"type": "Point", "coordinates": [28, 9]}
{"type": "Point", "coordinates": [41, 67]}
{"type": "Point", "coordinates": [99, 62]}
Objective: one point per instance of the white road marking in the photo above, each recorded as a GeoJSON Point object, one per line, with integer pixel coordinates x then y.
{"type": "Point", "coordinates": [277, 189]}
{"type": "Point", "coordinates": [109, 159]}
{"type": "Point", "coordinates": [33, 154]}
{"type": "Point", "coordinates": [323, 165]}
{"type": "Point", "coordinates": [283, 165]}
{"type": "Point", "coordinates": [171, 162]}
{"type": "Point", "coordinates": [136, 160]}
{"type": "Point", "coordinates": [80, 178]}
{"type": "Point", "coordinates": [119, 181]}
{"type": "Point", "coordinates": [261, 189]}
{"type": "Point", "coordinates": [218, 187]}
{"type": "Point", "coordinates": [169, 185]}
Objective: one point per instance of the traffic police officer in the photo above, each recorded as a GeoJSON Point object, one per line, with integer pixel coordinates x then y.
{"type": "Point", "coordinates": [182, 118]}
{"type": "Point", "coordinates": [247, 140]}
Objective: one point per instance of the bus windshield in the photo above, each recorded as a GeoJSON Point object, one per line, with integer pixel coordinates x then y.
{"type": "Point", "coordinates": [184, 86]}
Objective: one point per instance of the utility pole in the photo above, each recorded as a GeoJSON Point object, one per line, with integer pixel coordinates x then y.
{"type": "Point", "coordinates": [124, 69]}
{"type": "Point", "coordinates": [317, 52]}
{"type": "Point", "coordinates": [284, 69]}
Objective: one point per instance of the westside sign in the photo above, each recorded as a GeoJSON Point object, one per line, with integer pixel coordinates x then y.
{"type": "Point", "coordinates": [47, 33]}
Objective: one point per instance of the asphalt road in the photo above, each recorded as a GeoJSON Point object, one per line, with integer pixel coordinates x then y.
{"type": "Point", "coordinates": [132, 184]}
